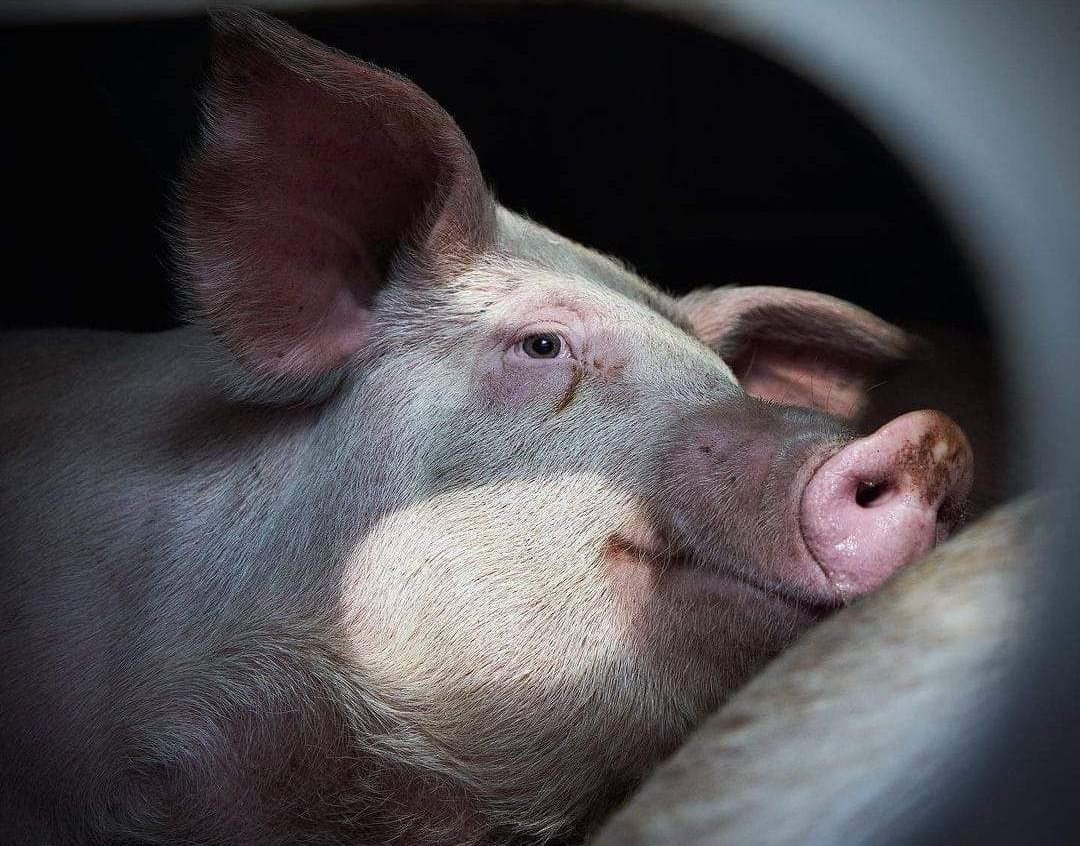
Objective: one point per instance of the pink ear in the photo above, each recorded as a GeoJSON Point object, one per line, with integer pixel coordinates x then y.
{"type": "Point", "coordinates": [313, 171]}
{"type": "Point", "coordinates": [797, 347]}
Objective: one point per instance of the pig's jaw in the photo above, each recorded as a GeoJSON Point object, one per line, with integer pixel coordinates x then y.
{"type": "Point", "coordinates": [645, 567]}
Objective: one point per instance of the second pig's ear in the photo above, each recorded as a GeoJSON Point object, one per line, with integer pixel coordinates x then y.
{"type": "Point", "coordinates": [315, 174]}
{"type": "Point", "coordinates": [798, 347]}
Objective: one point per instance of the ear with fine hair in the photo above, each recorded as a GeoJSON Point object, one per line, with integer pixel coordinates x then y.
{"type": "Point", "coordinates": [798, 347]}
{"type": "Point", "coordinates": [314, 176]}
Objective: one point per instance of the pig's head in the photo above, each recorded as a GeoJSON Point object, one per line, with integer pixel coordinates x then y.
{"type": "Point", "coordinates": [569, 513]}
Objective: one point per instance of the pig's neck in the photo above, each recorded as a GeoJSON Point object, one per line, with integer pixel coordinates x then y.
{"type": "Point", "coordinates": [278, 498]}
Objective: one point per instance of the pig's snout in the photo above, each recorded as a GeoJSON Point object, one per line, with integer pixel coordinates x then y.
{"type": "Point", "coordinates": [886, 499]}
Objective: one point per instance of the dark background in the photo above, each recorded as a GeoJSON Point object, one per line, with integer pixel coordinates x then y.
{"type": "Point", "coordinates": [693, 158]}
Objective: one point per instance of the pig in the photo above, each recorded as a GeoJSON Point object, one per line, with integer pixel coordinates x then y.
{"type": "Point", "coordinates": [430, 526]}
{"type": "Point", "coordinates": [860, 727]}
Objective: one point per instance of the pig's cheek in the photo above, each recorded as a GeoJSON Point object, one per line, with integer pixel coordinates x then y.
{"type": "Point", "coordinates": [515, 385]}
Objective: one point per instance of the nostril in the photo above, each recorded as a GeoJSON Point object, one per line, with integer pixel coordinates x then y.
{"type": "Point", "coordinates": [949, 516]}
{"type": "Point", "coordinates": [867, 494]}
{"type": "Point", "coordinates": [950, 513]}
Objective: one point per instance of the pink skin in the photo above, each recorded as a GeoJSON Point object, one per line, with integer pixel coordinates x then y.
{"type": "Point", "coordinates": [883, 501]}
{"type": "Point", "coordinates": [779, 499]}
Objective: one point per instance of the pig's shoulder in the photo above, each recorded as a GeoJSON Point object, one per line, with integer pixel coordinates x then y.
{"type": "Point", "coordinates": [51, 359]}
{"type": "Point", "coordinates": [75, 387]}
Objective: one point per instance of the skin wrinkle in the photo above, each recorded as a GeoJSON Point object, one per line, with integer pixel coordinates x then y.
{"type": "Point", "coordinates": [567, 398]}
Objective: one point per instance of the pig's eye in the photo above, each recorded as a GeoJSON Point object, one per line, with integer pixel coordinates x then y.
{"type": "Point", "coordinates": [543, 345]}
